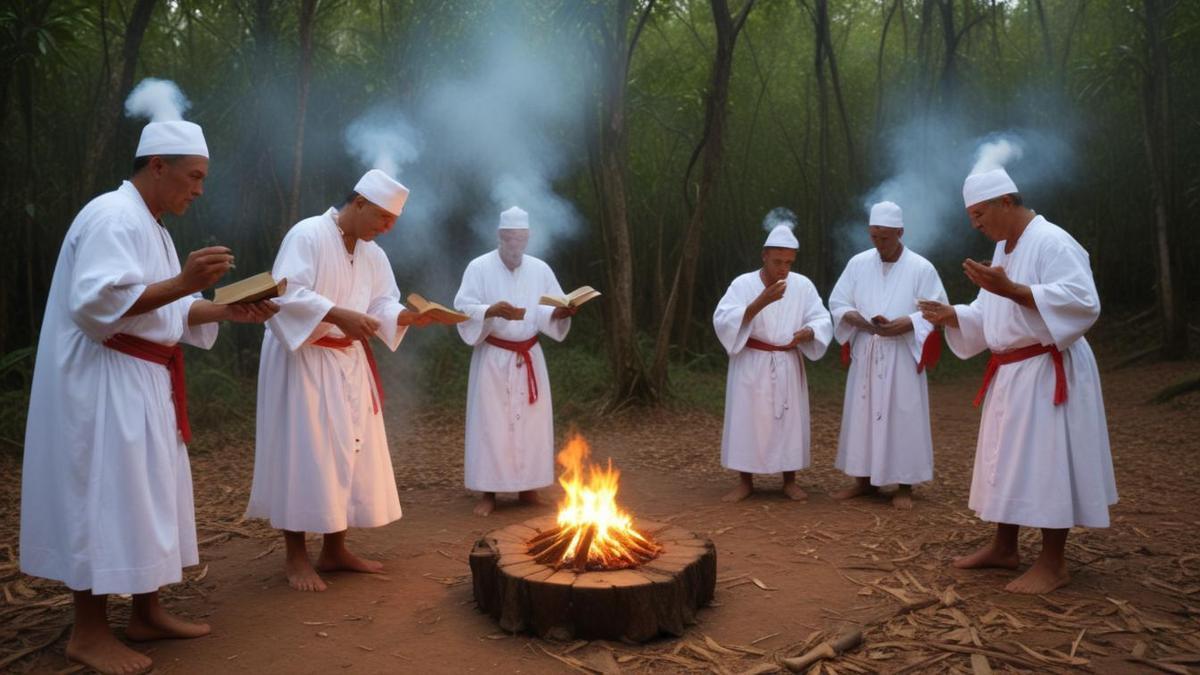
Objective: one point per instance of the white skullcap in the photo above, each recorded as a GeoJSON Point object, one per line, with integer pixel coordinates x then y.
{"type": "Point", "coordinates": [781, 237]}
{"type": "Point", "coordinates": [383, 191]}
{"type": "Point", "coordinates": [887, 214]}
{"type": "Point", "coordinates": [176, 137]}
{"type": "Point", "coordinates": [515, 218]}
{"type": "Point", "coordinates": [981, 187]}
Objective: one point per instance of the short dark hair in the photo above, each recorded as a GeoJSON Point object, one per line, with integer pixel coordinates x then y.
{"type": "Point", "coordinates": [349, 198]}
{"type": "Point", "coordinates": [1014, 197]}
{"type": "Point", "coordinates": [140, 163]}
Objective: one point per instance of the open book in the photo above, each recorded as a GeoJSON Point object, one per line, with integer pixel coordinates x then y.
{"type": "Point", "coordinates": [573, 299]}
{"type": "Point", "coordinates": [438, 313]}
{"type": "Point", "coordinates": [252, 289]}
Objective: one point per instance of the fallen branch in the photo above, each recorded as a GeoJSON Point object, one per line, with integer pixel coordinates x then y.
{"type": "Point", "coordinates": [825, 650]}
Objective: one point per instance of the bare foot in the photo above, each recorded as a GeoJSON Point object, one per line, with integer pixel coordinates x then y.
{"type": "Point", "coordinates": [856, 490]}
{"type": "Point", "coordinates": [530, 497]}
{"type": "Point", "coordinates": [1043, 577]}
{"type": "Point", "coordinates": [794, 492]}
{"type": "Point", "coordinates": [989, 556]}
{"type": "Point", "coordinates": [103, 653]}
{"type": "Point", "coordinates": [159, 624]}
{"type": "Point", "coordinates": [486, 505]}
{"type": "Point", "coordinates": [739, 493]}
{"type": "Point", "coordinates": [342, 560]}
{"type": "Point", "coordinates": [903, 499]}
{"type": "Point", "coordinates": [302, 577]}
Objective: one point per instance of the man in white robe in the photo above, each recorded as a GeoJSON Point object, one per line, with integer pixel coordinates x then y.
{"type": "Point", "coordinates": [510, 416]}
{"type": "Point", "coordinates": [321, 461]}
{"type": "Point", "coordinates": [887, 347]}
{"type": "Point", "coordinates": [1043, 456]}
{"type": "Point", "coordinates": [766, 320]}
{"type": "Point", "coordinates": [106, 497]}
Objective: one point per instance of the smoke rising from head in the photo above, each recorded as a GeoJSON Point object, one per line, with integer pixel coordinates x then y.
{"type": "Point", "coordinates": [156, 100]}
{"type": "Point", "coordinates": [779, 216]}
{"type": "Point", "coordinates": [930, 157]}
{"type": "Point", "coordinates": [997, 154]}
{"type": "Point", "coordinates": [473, 144]}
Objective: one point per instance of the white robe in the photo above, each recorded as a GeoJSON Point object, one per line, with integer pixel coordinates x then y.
{"type": "Point", "coordinates": [321, 461]}
{"type": "Point", "coordinates": [510, 442]}
{"type": "Point", "coordinates": [106, 497]}
{"type": "Point", "coordinates": [766, 393]}
{"type": "Point", "coordinates": [885, 415]}
{"type": "Point", "coordinates": [1038, 464]}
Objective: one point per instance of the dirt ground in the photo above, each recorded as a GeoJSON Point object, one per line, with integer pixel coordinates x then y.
{"type": "Point", "coordinates": [789, 574]}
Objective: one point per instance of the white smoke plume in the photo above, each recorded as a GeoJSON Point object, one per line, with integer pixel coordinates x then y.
{"type": "Point", "coordinates": [997, 154]}
{"type": "Point", "coordinates": [156, 100]}
{"type": "Point", "coordinates": [779, 216]}
{"type": "Point", "coordinates": [383, 140]}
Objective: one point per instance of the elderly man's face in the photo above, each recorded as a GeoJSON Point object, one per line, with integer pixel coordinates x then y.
{"type": "Point", "coordinates": [886, 239]}
{"type": "Point", "coordinates": [179, 181]}
{"type": "Point", "coordinates": [512, 246]}
{"type": "Point", "coordinates": [989, 217]}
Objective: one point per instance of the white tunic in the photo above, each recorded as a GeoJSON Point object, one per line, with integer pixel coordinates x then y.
{"type": "Point", "coordinates": [766, 393]}
{"type": "Point", "coordinates": [885, 415]}
{"type": "Point", "coordinates": [1038, 464]}
{"type": "Point", "coordinates": [321, 461]}
{"type": "Point", "coordinates": [106, 497]}
{"type": "Point", "coordinates": [510, 442]}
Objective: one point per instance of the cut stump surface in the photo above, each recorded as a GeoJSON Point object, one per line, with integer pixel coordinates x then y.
{"type": "Point", "coordinates": [659, 597]}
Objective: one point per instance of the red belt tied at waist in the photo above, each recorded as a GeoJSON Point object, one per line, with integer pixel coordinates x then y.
{"type": "Point", "coordinates": [522, 349]}
{"type": "Point", "coordinates": [172, 358]}
{"type": "Point", "coordinates": [331, 342]}
{"type": "Point", "coordinates": [752, 343]}
{"type": "Point", "coordinates": [1005, 358]}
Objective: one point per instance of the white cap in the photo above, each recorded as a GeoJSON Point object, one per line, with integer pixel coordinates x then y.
{"type": "Point", "coordinates": [176, 137]}
{"type": "Point", "coordinates": [781, 237]}
{"type": "Point", "coordinates": [383, 191]}
{"type": "Point", "coordinates": [980, 187]}
{"type": "Point", "coordinates": [515, 218]}
{"type": "Point", "coordinates": [887, 214]}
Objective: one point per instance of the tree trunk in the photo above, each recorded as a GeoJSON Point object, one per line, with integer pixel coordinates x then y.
{"type": "Point", "coordinates": [711, 149]}
{"type": "Point", "coordinates": [629, 372]}
{"type": "Point", "coordinates": [308, 9]}
{"type": "Point", "coordinates": [110, 107]}
{"type": "Point", "coordinates": [1157, 133]}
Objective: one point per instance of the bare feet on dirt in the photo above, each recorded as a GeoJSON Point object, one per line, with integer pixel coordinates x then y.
{"type": "Point", "coordinates": [486, 505]}
{"type": "Point", "coordinates": [104, 653]}
{"type": "Point", "coordinates": [302, 577]}
{"type": "Point", "coordinates": [342, 560]}
{"type": "Point", "coordinates": [738, 494]}
{"type": "Point", "coordinates": [989, 556]}
{"type": "Point", "coordinates": [794, 492]}
{"type": "Point", "coordinates": [1043, 577]}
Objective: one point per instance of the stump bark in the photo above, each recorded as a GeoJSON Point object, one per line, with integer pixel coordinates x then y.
{"type": "Point", "coordinates": [659, 597]}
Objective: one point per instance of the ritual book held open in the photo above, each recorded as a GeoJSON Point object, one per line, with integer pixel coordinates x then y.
{"type": "Point", "coordinates": [438, 313]}
{"type": "Point", "coordinates": [573, 299]}
{"type": "Point", "coordinates": [251, 289]}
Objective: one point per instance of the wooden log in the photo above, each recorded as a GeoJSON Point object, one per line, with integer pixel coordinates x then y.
{"type": "Point", "coordinates": [541, 546]}
{"type": "Point", "coordinates": [483, 561]}
{"type": "Point", "coordinates": [579, 557]}
{"type": "Point", "coordinates": [554, 554]}
{"type": "Point", "coordinates": [541, 537]}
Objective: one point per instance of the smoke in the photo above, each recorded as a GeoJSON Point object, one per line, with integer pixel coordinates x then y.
{"type": "Point", "coordinates": [779, 216]}
{"type": "Point", "coordinates": [472, 144]}
{"type": "Point", "coordinates": [156, 100]}
{"type": "Point", "coordinates": [927, 160]}
{"type": "Point", "coordinates": [997, 154]}
{"type": "Point", "coordinates": [383, 140]}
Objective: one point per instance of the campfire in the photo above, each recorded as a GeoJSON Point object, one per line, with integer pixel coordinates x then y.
{"type": "Point", "coordinates": [592, 570]}
{"type": "Point", "coordinates": [592, 533]}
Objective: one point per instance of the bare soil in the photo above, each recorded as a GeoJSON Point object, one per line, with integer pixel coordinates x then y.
{"type": "Point", "coordinates": [789, 574]}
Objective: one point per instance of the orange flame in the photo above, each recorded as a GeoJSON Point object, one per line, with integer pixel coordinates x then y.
{"type": "Point", "coordinates": [589, 516]}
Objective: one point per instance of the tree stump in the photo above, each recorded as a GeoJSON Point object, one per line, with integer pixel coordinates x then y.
{"type": "Point", "coordinates": [660, 596]}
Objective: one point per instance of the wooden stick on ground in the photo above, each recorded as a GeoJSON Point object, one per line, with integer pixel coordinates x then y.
{"type": "Point", "coordinates": [825, 650]}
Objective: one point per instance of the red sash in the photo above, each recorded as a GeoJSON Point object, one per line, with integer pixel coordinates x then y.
{"type": "Point", "coordinates": [331, 342]}
{"type": "Point", "coordinates": [766, 346]}
{"type": "Point", "coordinates": [522, 350]}
{"type": "Point", "coordinates": [172, 358]}
{"type": "Point", "coordinates": [1005, 358]}
{"type": "Point", "coordinates": [931, 350]}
